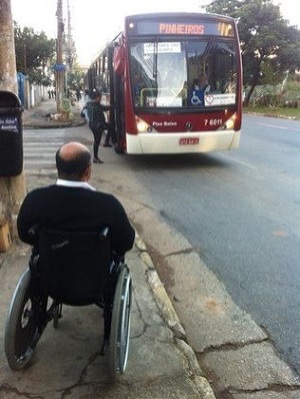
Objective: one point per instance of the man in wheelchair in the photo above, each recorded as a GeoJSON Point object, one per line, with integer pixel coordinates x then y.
{"type": "Point", "coordinates": [79, 238]}
{"type": "Point", "coordinates": [72, 204]}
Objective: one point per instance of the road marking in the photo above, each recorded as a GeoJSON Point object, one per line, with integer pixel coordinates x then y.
{"type": "Point", "coordinates": [280, 127]}
{"type": "Point", "coordinates": [38, 161]}
{"type": "Point", "coordinates": [274, 126]}
{"type": "Point", "coordinates": [40, 148]}
{"type": "Point", "coordinates": [238, 161]}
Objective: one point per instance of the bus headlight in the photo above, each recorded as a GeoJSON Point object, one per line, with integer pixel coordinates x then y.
{"type": "Point", "coordinates": [142, 126]}
{"type": "Point", "coordinates": [229, 124]}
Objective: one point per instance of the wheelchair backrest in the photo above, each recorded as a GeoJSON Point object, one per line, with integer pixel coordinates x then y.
{"type": "Point", "coordinates": [75, 266]}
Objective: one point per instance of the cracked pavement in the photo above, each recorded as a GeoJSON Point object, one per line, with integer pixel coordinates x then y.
{"type": "Point", "coordinates": [68, 364]}
{"type": "Point", "coordinates": [236, 355]}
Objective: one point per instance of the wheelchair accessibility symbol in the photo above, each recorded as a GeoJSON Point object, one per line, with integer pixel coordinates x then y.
{"type": "Point", "coordinates": [195, 100]}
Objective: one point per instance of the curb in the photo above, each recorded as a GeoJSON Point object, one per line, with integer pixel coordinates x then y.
{"type": "Point", "coordinates": [171, 319]}
{"type": "Point", "coordinates": [53, 126]}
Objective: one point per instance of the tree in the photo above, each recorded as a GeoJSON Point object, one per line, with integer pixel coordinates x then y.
{"type": "Point", "coordinates": [12, 189]}
{"type": "Point", "coordinates": [266, 39]}
{"type": "Point", "coordinates": [75, 78]}
{"type": "Point", "coordinates": [34, 51]}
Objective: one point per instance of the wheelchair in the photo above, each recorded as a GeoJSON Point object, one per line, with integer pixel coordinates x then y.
{"type": "Point", "coordinates": [76, 269]}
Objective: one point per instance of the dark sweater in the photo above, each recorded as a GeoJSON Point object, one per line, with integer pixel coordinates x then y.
{"type": "Point", "coordinates": [73, 209]}
{"type": "Point", "coordinates": [95, 111]}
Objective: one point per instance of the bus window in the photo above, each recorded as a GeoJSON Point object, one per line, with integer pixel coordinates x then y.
{"type": "Point", "coordinates": [225, 67]}
{"type": "Point", "coordinates": [165, 74]}
{"type": "Point", "coordinates": [142, 73]}
{"type": "Point", "coordinates": [158, 74]}
{"type": "Point", "coordinates": [216, 60]}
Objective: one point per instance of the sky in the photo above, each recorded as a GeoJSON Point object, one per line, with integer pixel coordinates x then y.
{"type": "Point", "coordinates": [96, 22]}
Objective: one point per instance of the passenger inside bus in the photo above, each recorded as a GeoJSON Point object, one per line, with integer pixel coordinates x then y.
{"type": "Point", "coordinates": [198, 90]}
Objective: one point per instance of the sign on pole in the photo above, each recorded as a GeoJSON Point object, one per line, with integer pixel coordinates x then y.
{"type": "Point", "coordinates": [59, 67]}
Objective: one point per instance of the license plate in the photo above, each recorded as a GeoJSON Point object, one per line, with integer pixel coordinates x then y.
{"type": "Point", "coordinates": [188, 140]}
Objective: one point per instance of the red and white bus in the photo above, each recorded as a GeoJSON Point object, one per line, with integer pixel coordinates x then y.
{"type": "Point", "coordinates": [151, 74]}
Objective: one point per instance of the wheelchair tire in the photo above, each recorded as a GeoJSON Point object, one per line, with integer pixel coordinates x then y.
{"type": "Point", "coordinates": [120, 324]}
{"type": "Point", "coordinates": [21, 326]}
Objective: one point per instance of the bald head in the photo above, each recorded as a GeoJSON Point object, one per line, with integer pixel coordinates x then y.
{"type": "Point", "coordinates": [73, 162]}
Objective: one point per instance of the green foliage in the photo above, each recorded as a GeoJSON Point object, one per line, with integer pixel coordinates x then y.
{"type": "Point", "coordinates": [75, 78]}
{"type": "Point", "coordinates": [34, 52]}
{"type": "Point", "coordinates": [269, 46]}
{"type": "Point", "coordinates": [277, 96]}
{"type": "Point", "coordinates": [35, 55]}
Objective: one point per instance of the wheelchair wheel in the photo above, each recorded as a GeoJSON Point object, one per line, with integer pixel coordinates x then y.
{"type": "Point", "coordinates": [120, 324]}
{"type": "Point", "coordinates": [21, 328]}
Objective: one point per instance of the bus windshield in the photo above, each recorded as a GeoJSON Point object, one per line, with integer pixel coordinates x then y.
{"type": "Point", "coordinates": [184, 74]}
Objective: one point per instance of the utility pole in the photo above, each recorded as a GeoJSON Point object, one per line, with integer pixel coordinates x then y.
{"type": "Point", "coordinates": [12, 189]}
{"type": "Point", "coordinates": [60, 71]}
{"type": "Point", "coordinates": [70, 41]}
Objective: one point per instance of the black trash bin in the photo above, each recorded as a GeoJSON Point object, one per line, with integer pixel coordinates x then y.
{"type": "Point", "coordinates": [11, 134]}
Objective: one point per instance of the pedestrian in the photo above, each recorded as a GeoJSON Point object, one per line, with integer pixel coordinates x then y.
{"type": "Point", "coordinates": [97, 123]}
{"type": "Point", "coordinates": [72, 204]}
{"type": "Point", "coordinates": [199, 89]}
{"type": "Point", "coordinates": [86, 99]}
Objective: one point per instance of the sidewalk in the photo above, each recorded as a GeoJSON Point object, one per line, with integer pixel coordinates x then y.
{"type": "Point", "coordinates": [67, 363]}
{"type": "Point", "coordinates": [42, 116]}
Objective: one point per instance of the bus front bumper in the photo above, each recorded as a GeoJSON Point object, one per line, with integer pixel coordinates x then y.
{"type": "Point", "coordinates": [182, 143]}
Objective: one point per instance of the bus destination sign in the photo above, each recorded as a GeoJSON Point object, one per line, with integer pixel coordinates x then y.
{"type": "Point", "coordinates": [195, 28]}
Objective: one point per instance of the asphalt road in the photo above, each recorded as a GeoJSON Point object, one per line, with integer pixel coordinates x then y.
{"type": "Point", "coordinates": [241, 210]}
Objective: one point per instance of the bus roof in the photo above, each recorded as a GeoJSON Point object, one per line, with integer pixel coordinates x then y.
{"type": "Point", "coordinates": [180, 15]}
